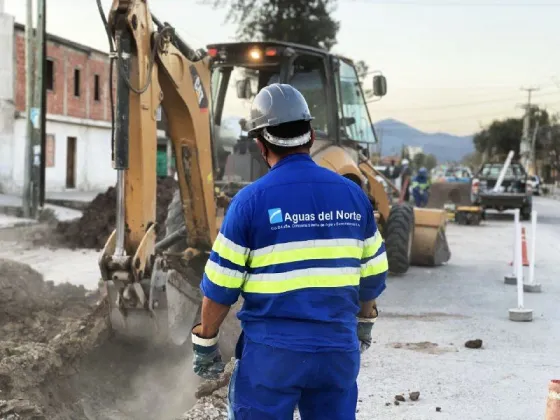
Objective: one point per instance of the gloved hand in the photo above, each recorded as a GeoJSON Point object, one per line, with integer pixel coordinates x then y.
{"type": "Point", "coordinates": [365, 326]}
{"type": "Point", "coordinates": [207, 360]}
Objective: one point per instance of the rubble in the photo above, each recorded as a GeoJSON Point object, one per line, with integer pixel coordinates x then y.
{"type": "Point", "coordinates": [44, 330]}
{"type": "Point", "coordinates": [98, 218]}
{"type": "Point", "coordinates": [474, 344]}
{"type": "Point", "coordinates": [414, 396]}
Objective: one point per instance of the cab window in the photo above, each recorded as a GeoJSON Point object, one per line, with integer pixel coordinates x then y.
{"type": "Point", "coordinates": [354, 118]}
{"type": "Point", "coordinates": [308, 76]}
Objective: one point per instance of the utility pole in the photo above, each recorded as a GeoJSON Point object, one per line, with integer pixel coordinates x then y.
{"type": "Point", "coordinates": [525, 145]}
{"type": "Point", "coordinates": [36, 111]}
{"type": "Point", "coordinates": [534, 149]}
{"type": "Point", "coordinates": [28, 161]}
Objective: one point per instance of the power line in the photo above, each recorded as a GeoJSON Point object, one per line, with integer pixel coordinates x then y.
{"type": "Point", "coordinates": [454, 3]}
{"type": "Point", "coordinates": [463, 104]}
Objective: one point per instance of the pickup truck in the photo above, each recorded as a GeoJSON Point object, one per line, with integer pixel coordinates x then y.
{"type": "Point", "coordinates": [514, 193]}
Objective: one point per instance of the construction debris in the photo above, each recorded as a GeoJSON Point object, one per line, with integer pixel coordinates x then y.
{"type": "Point", "coordinates": [474, 344]}
{"type": "Point", "coordinates": [414, 396]}
{"type": "Point", "coordinates": [98, 218]}
{"type": "Point", "coordinates": [44, 330]}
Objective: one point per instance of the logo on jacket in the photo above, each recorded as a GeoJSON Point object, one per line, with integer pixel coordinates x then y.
{"type": "Point", "coordinates": [275, 216]}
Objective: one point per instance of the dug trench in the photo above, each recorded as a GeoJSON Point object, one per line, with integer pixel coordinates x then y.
{"type": "Point", "coordinates": [59, 358]}
{"type": "Point", "coordinates": [60, 361]}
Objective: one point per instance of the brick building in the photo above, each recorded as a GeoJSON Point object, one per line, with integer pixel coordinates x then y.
{"type": "Point", "coordinates": [78, 127]}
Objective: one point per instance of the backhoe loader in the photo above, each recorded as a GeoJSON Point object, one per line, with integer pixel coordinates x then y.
{"type": "Point", "coordinates": [153, 287]}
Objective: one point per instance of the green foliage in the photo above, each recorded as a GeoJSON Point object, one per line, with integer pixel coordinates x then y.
{"type": "Point", "coordinates": [501, 136]}
{"type": "Point", "coordinates": [423, 160]}
{"type": "Point", "coordinates": [303, 22]}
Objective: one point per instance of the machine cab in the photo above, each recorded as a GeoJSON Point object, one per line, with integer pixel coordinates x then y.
{"type": "Point", "coordinates": [329, 83]}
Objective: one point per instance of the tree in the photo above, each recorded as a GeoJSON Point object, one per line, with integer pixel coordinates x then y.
{"type": "Point", "coordinates": [362, 69]}
{"type": "Point", "coordinates": [304, 22]}
{"type": "Point", "coordinates": [423, 160]}
{"type": "Point", "coordinates": [501, 136]}
{"type": "Point", "coordinates": [431, 161]}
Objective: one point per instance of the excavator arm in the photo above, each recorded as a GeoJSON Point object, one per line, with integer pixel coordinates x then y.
{"type": "Point", "coordinates": [154, 67]}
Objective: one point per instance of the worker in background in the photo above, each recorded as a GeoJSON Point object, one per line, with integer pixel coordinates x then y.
{"type": "Point", "coordinates": [391, 171]}
{"type": "Point", "coordinates": [405, 175]}
{"type": "Point", "coordinates": [421, 188]}
{"type": "Point", "coordinates": [302, 247]}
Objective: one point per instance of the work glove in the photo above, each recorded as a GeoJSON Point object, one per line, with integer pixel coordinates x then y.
{"type": "Point", "coordinates": [365, 326]}
{"type": "Point", "coordinates": [207, 360]}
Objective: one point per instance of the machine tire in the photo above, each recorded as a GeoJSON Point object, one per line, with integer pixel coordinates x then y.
{"type": "Point", "coordinates": [175, 221]}
{"type": "Point", "coordinates": [399, 237]}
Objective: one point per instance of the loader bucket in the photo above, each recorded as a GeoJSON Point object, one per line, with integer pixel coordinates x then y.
{"type": "Point", "coordinates": [441, 193]}
{"type": "Point", "coordinates": [430, 247]}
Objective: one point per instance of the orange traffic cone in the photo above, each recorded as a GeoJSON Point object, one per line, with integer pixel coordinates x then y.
{"type": "Point", "coordinates": [523, 248]}
{"type": "Point", "coordinates": [553, 401]}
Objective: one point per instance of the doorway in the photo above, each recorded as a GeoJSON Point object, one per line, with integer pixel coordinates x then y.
{"type": "Point", "coordinates": [71, 162]}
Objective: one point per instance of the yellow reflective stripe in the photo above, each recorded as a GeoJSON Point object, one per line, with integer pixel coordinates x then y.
{"type": "Point", "coordinates": [322, 253]}
{"type": "Point", "coordinates": [372, 245]}
{"type": "Point", "coordinates": [375, 266]}
{"type": "Point", "coordinates": [230, 251]}
{"type": "Point", "coordinates": [224, 277]}
{"type": "Point", "coordinates": [313, 243]}
{"type": "Point", "coordinates": [302, 279]}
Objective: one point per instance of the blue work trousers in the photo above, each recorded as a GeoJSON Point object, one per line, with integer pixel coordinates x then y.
{"type": "Point", "coordinates": [268, 383]}
{"type": "Point", "coordinates": [420, 197]}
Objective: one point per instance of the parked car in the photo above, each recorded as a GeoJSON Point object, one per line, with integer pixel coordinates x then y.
{"type": "Point", "coordinates": [535, 182]}
{"type": "Point", "coordinates": [515, 192]}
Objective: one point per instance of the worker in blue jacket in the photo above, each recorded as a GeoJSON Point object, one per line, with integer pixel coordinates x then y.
{"type": "Point", "coordinates": [421, 188]}
{"type": "Point", "coordinates": [302, 247]}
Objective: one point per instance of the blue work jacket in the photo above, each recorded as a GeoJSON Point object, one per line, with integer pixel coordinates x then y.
{"type": "Point", "coordinates": [302, 247]}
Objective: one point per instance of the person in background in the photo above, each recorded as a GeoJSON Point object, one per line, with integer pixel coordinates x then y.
{"type": "Point", "coordinates": [405, 175]}
{"type": "Point", "coordinates": [421, 188]}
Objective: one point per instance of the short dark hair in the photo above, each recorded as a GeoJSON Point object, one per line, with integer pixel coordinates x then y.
{"type": "Point", "coordinates": [287, 131]}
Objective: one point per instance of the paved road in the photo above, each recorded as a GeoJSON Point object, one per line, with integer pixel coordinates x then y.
{"type": "Point", "coordinates": [427, 316]}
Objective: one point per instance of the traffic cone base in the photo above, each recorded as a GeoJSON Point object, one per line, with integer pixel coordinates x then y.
{"type": "Point", "coordinates": [523, 249]}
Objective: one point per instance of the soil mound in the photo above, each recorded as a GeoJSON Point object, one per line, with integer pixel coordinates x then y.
{"type": "Point", "coordinates": [99, 217]}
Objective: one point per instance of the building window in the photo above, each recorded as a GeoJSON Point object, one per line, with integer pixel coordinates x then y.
{"type": "Point", "coordinates": [49, 77]}
{"type": "Point", "coordinates": [50, 151]}
{"type": "Point", "coordinates": [96, 88]}
{"type": "Point", "coordinates": [77, 82]}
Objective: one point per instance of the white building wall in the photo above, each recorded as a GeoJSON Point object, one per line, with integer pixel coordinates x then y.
{"type": "Point", "coordinates": [7, 92]}
{"type": "Point", "coordinates": [94, 171]}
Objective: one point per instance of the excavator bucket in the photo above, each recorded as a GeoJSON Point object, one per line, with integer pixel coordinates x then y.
{"type": "Point", "coordinates": [442, 193]}
{"type": "Point", "coordinates": [429, 247]}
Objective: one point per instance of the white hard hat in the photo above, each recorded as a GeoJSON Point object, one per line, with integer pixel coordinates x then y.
{"type": "Point", "coordinates": [405, 162]}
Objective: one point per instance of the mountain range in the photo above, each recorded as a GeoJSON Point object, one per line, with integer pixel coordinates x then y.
{"type": "Point", "coordinates": [393, 134]}
{"type": "Point", "coordinates": [446, 147]}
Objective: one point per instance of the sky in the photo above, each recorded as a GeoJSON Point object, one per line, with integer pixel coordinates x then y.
{"type": "Point", "coordinates": [451, 65]}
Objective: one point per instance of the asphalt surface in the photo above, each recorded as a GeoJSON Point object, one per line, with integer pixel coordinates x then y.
{"type": "Point", "coordinates": [428, 315]}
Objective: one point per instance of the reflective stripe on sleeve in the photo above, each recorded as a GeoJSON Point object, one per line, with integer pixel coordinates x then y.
{"type": "Point", "coordinates": [302, 279]}
{"type": "Point", "coordinates": [372, 245]}
{"type": "Point", "coordinates": [224, 277]}
{"type": "Point", "coordinates": [375, 266]}
{"type": "Point", "coordinates": [229, 250]}
{"type": "Point", "coordinates": [306, 250]}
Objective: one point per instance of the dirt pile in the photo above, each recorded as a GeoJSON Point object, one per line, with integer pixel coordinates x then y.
{"type": "Point", "coordinates": [44, 331]}
{"type": "Point", "coordinates": [98, 219]}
